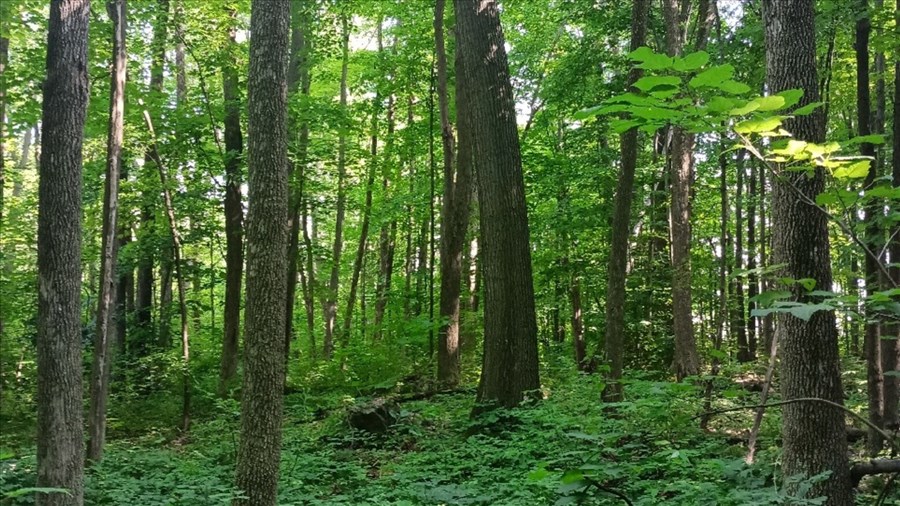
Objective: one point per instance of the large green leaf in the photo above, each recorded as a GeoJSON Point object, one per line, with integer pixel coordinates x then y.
{"type": "Point", "coordinates": [692, 61]}
{"type": "Point", "coordinates": [650, 60]}
{"type": "Point", "coordinates": [648, 83]}
{"type": "Point", "coordinates": [712, 77]}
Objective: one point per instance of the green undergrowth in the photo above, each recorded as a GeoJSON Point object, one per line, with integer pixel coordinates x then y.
{"type": "Point", "coordinates": [568, 448]}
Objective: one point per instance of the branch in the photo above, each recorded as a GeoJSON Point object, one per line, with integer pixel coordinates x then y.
{"type": "Point", "coordinates": [875, 466]}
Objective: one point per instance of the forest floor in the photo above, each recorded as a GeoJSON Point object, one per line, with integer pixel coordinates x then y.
{"type": "Point", "coordinates": [565, 449]}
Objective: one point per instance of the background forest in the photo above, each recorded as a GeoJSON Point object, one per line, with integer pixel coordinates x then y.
{"type": "Point", "coordinates": [386, 252]}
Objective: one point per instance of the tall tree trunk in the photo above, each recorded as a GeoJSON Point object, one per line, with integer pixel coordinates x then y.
{"type": "Point", "coordinates": [874, 376]}
{"type": "Point", "coordinates": [387, 238]}
{"type": "Point", "coordinates": [814, 434]}
{"type": "Point", "coordinates": [330, 305]}
{"type": "Point", "coordinates": [298, 81]}
{"type": "Point", "coordinates": [455, 206]}
{"type": "Point", "coordinates": [60, 434]}
{"type": "Point", "coordinates": [109, 252]}
{"type": "Point", "coordinates": [680, 159]}
{"type": "Point", "coordinates": [234, 224]}
{"type": "Point", "coordinates": [577, 321]}
{"type": "Point", "coordinates": [510, 361]}
{"type": "Point", "coordinates": [767, 327]}
{"type": "Point", "coordinates": [752, 284]}
{"type": "Point", "coordinates": [739, 313]}
{"type": "Point", "coordinates": [620, 230]}
{"type": "Point", "coordinates": [259, 453]}
{"type": "Point", "coordinates": [890, 347]}
{"type": "Point", "coordinates": [4, 57]}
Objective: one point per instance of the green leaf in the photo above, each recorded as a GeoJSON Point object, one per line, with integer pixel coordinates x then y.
{"type": "Point", "coordinates": [745, 109]}
{"type": "Point", "coordinates": [791, 97]}
{"type": "Point", "coordinates": [623, 125]}
{"type": "Point", "coordinates": [751, 126]}
{"type": "Point", "coordinates": [808, 109]}
{"type": "Point", "coordinates": [720, 104]}
{"type": "Point", "coordinates": [712, 77]}
{"type": "Point", "coordinates": [855, 170]}
{"type": "Point", "coordinates": [733, 87]}
{"type": "Point", "coordinates": [649, 83]}
{"type": "Point", "coordinates": [807, 283]}
{"type": "Point", "coordinates": [588, 113]}
{"type": "Point", "coordinates": [650, 60]}
{"type": "Point", "coordinates": [867, 139]}
{"type": "Point", "coordinates": [655, 113]}
{"type": "Point", "coordinates": [692, 61]}
{"type": "Point", "coordinates": [770, 103]}
{"type": "Point", "coordinates": [35, 490]}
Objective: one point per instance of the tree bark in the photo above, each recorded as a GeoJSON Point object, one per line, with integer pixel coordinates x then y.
{"type": "Point", "coordinates": [890, 348]}
{"type": "Point", "coordinates": [330, 305]}
{"type": "Point", "coordinates": [454, 208]}
{"type": "Point", "coordinates": [739, 313]}
{"type": "Point", "coordinates": [234, 224]}
{"type": "Point", "coordinates": [60, 435]}
{"type": "Point", "coordinates": [752, 279]}
{"type": "Point", "coordinates": [872, 343]}
{"type": "Point", "coordinates": [259, 453]}
{"type": "Point", "coordinates": [100, 369]}
{"type": "Point", "coordinates": [814, 435]}
{"type": "Point", "coordinates": [620, 230]}
{"type": "Point", "coordinates": [510, 361]}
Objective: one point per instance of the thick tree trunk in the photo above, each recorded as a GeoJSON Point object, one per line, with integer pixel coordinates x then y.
{"type": "Point", "coordinates": [330, 304]}
{"type": "Point", "coordinates": [814, 435]}
{"type": "Point", "coordinates": [510, 361]}
{"type": "Point", "coordinates": [259, 453]}
{"type": "Point", "coordinates": [455, 206]}
{"type": "Point", "coordinates": [620, 230]}
{"type": "Point", "coordinates": [874, 376]}
{"type": "Point", "coordinates": [234, 225]}
{"type": "Point", "coordinates": [60, 434]}
{"type": "Point", "coordinates": [100, 368]}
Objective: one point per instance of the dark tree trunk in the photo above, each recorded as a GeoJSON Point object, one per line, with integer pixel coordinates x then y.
{"type": "Point", "coordinates": [510, 362]}
{"type": "Point", "coordinates": [330, 304]}
{"type": "Point", "coordinates": [455, 206]}
{"type": "Point", "coordinates": [814, 434]}
{"type": "Point", "coordinates": [767, 328]}
{"type": "Point", "coordinates": [577, 323]}
{"type": "Point", "coordinates": [752, 285]}
{"type": "Point", "coordinates": [620, 230]}
{"type": "Point", "coordinates": [259, 453]}
{"type": "Point", "coordinates": [874, 376]}
{"type": "Point", "coordinates": [234, 225]}
{"type": "Point", "coordinates": [100, 368]}
{"type": "Point", "coordinates": [60, 435]}
{"type": "Point", "coordinates": [739, 313]}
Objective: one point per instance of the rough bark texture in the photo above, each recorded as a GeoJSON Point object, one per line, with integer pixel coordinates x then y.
{"type": "Point", "coordinates": [620, 230]}
{"type": "Point", "coordinates": [455, 207]}
{"type": "Point", "coordinates": [874, 376]}
{"type": "Point", "coordinates": [681, 167]}
{"type": "Point", "coordinates": [814, 434]}
{"type": "Point", "coordinates": [60, 441]}
{"type": "Point", "coordinates": [891, 397]}
{"type": "Point", "coordinates": [330, 304]}
{"type": "Point", "coordinates": [510, 362]}
{"type": "Point", "coordinates": [102, 351]}
{"type": "Point", "coordinates": [259, 453]}
{"type": "Point", "coordinates": [234, 226]}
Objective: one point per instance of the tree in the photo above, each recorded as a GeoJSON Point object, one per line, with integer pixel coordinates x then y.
{"type": "Point", "coordinates": [234, 222]}
{"type": "Point", "coordinates": [60, 443]}
{"type": "Point", "coordinates": [109, 251]}
{"type": "Point", "coordinates": [259, 453]}
{"type": "Point", "coordinates": [814, 436]}
{"type": "Point", "coordinates": [510, 362]}
{"type": "Point", "coordinates": [620, 228]}
{"type": "Point", "coordinates": [455, 208]}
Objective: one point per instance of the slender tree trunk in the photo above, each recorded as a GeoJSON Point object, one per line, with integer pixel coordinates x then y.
{"type": "Point", "coordinates": [620, 231]}
{"type": "Point", "coordinates": [455, 206]}
{"type": "Point", "coordinates": [388, 236]}
{"type": "Point", "coordinates": [510, 361]}
{"type": "Point", "coordinates": [767, 327]}
{"type": "Point", "coordinates": [234, 224]}
{"type": "Point", "coordinates": [814, 434]}
{"type": "Point", "coordinates": [752, 285]}
{"type": "Point", "coordinates": [874, 376]}
{"type": "Point", "coordinates": [577, 321]}
{"type": "Point", "coordinates": [739, 313]}
{"type": "Point", "coordinates": [60, 434]}
{"type": "Point", "coordinates": [105, 314]}
{"type": "Point", "coordinates": [259, 453]}
{"type": "Point", "coordinates": [330, 306]}
{"type": "Point", "coordinates": [4, 57]}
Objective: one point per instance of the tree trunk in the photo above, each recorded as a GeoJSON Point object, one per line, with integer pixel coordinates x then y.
{"type": "Point", "coordinates": [259, 453]}
{"type": "Point", "coordinates": [60, 435]}
{"type": "Point", "coordinates": [814, 435]}
{"type": "Point", "coordinates": [680, 158]}
{"type": "Point", "coordinates": [510, 361]}
{"type": "Point", "coordinates": [454, 208]}
{"type": "Point", "coordinates": [767, 327]}
{"type": "Point", "coordinates": [4, 57]}
{"type": "Point", "coordinates": [577, 322]}
{"type": "Point", "coordinates": [752, 285]}
{"type": "Point", "coordinates": [739, 313]}
{"type": "Point", "coordinates": [874, 376]}
{"type": "Point", "coordinates": [330, 306]}
{"type": "Point", "coordinates": [234, 225]}
{"type": "Point", "coordinates": [109, 252]}
{"type": "Point", "coordinates": [388, 236]}
{"type": "Point", "coordinates": [890, 348]}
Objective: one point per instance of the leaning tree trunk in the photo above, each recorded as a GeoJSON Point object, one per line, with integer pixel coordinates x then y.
{"type": "Point", "coordinates": [109, 251]}
{"type": "Point", "coordinates": [259, 453]}
{"type": "Point", "coordinates": [510, 361]}
{"type": "Point", "coordinates": [617, 268]}
{"type": "Point", "coordinates": [60, 435]}
{"type": "Point", "coordinates": [814, 434]}
{"type": "Point", "coordinates": [234, 225]}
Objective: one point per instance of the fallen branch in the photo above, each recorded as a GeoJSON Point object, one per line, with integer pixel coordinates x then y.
{"type": "Point", "coordinates": [876, 466]}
